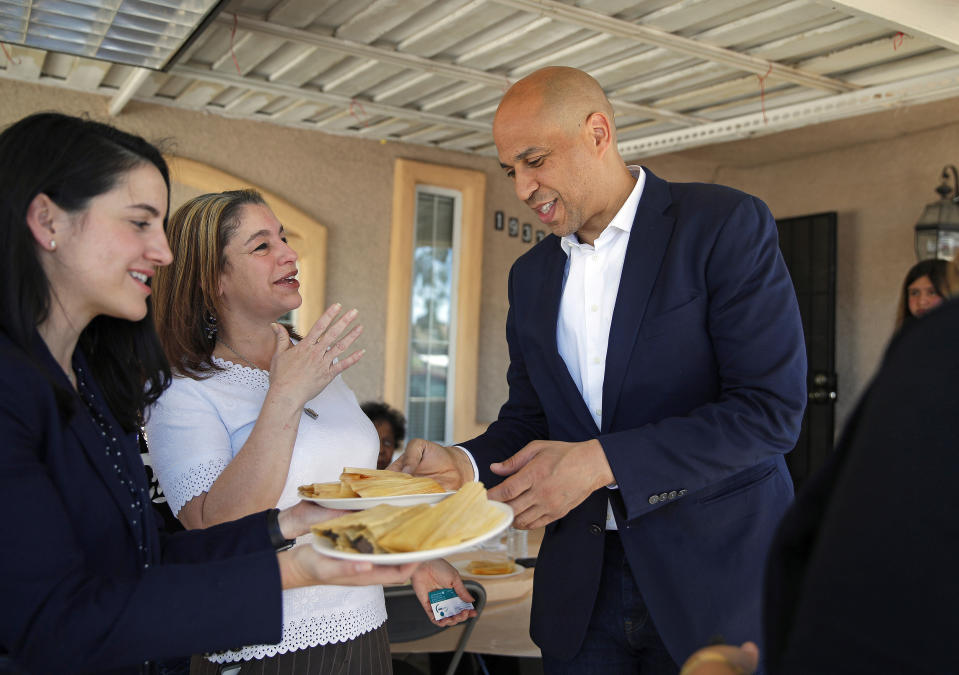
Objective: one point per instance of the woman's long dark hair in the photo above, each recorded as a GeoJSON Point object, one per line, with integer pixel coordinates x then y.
{"type": "Point", "coordinates": [73, 160]}
{"type": "Point", "coordinates": [938, 272]}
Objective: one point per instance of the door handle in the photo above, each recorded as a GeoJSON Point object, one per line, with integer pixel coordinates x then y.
{"type": "Point", "coordinates": [823, 388]}
{"type": "Point", "coordinates": [822, 396]}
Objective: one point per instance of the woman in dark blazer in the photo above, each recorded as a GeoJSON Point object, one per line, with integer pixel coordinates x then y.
{"type": "Point", "coordinates": [862, 573]}
{"type": "Point", "coordinates": [86, 582]}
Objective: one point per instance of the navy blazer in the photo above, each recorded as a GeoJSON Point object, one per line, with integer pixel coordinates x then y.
{"type": "Point", "coordinates": [862, 572]}
{"type": "Point", "coordinates": [78, 593]}
{"type": "Point", "coordinates": [703, 395]}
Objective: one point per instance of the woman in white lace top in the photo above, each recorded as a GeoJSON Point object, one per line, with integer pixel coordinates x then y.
{"type": "Point", "coordinates": [252, 413]}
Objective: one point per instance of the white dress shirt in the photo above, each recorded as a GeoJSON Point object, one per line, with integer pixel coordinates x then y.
{"type": "Point", "coordinates": [590, 286]}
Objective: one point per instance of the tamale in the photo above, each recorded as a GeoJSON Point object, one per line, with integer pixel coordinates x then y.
{"type": "Point", "coordinates": [326, 491]}
{"type": "Point", "coordinates": [390, 487]}
{"type": "Point", "coordinates": [462, 516]}
{"type": "Point", "coordinates": [472, 516]}
{"type": "Point", "coordinates": [356, 482]}
{"type": "Point", "coordinates": [400, 529]}
{"type": "Point", "coordinates": [359, 531]}
{"type": "Point", "coordinates": [385, 483]}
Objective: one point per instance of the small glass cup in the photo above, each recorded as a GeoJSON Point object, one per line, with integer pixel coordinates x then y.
{"type": "Point", "coordinates": [516, 543]}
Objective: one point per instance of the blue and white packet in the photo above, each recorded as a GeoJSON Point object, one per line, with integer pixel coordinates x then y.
{"type": "Point", "coordinates": [446, 603]}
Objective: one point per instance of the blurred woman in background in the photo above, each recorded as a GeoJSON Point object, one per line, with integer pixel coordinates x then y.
{"type": "Point", "coordinates": [390, 427]}
{"type": "Point", "coordinates": [924, 288]}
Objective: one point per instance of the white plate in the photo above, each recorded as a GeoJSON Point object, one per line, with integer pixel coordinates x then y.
{"type": "Point", "coordinates": [461, 566]}
{"type": "Point", "coordinates": [360, 503]}
{"type": "Point", "coordinates": [325, 546]}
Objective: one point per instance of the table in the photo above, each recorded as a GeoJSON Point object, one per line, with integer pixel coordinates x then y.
{"type": "Point", "coordinates": [503, 627]}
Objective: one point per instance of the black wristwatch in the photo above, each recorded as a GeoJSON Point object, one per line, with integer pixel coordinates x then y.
{"type": "Point", "coordinates": [279, 542]}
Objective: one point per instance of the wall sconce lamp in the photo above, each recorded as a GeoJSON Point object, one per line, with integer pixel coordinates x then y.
{"type": "Point", "coordinates": [937, 232]}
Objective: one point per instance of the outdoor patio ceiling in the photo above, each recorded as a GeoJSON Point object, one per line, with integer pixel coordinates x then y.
{"type": "Point", "coordinates": [680, 73]}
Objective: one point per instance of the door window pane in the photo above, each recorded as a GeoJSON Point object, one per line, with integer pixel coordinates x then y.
{"type": "Point", "coordinates": [432, 317]}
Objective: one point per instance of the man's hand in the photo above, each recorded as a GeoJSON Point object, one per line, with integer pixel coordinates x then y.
{"type": "Point", "coordinates": [547, 479]}
{"type": "Point", "coordinates": [440, 574]}
{"type": "Point", "coordinates": [450, 467]}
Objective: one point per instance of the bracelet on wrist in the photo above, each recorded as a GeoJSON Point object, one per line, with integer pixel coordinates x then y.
{"type": "Point", "coordinates": [277, 540]}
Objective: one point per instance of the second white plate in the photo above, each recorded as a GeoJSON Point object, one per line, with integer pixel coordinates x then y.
{"type": "Point", "coordinates": [360, 503]}
{"type": "Point", "coordinates": [325, 546]}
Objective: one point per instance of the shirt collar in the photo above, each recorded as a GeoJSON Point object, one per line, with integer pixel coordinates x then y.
{"type": "Point", "coordinates": [622, 221]}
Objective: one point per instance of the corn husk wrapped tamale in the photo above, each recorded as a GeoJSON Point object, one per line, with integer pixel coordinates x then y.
{"type": "Point", "coordinates": [360, 531]}
{"type": "Point", "coordinates": [371, 483]}
{"type": "Point", "coordinates": [462, 516]}
{"type": "Point", "coordinates": [398, 529]}
{"type": "Point", "coordinates": [385, 483]}
{"type": "Point", "coordinates": [326, 491]}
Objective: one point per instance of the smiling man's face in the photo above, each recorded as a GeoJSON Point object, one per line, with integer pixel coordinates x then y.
{"type": "Point", "coordinates": [548, 168]}
{"type": "Point", "coordinates": [552, 133]}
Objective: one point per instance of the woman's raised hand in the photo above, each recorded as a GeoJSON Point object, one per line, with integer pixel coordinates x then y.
{"type": "Point", "coordinates": [303, 370]}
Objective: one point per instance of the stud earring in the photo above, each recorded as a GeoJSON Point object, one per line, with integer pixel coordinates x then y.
{"type": "Point", "coordinates": [53, 245]}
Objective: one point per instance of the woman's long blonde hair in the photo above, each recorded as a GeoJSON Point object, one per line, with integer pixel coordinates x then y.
{"type": "Point", "coordinates": [186, 292]}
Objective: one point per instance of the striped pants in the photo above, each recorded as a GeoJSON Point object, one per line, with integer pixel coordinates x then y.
{"type": "Point", "coordinates": [366, 654]}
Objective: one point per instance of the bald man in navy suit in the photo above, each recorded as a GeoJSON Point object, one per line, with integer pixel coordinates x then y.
{"type": "Point", "coordinates": [656, 381]}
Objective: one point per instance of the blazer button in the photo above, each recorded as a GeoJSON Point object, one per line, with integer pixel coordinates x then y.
{"type": "Point", "coordinates": [595, 529]}
{"type": "Point", "coordinates": [654, 499]}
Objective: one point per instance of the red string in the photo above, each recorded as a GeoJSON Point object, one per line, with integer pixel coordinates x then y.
{"type": "Point", "coordinates": [233, 53]}
{"type": "Point", "coordinates": [364, 121]}
{"type": "Point", "coordinates": [762, 91]}
{"type": "Point", "coordinates": [7, 54]}
{"type": "Point", "coordinates": [897, 40]}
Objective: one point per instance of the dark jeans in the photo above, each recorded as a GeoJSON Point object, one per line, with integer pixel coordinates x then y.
{"type": "Point", "coordinates": [621, 638]}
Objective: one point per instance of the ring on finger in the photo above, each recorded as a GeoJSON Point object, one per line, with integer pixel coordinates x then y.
{"type": "Point", "coordinates": [328, 348]}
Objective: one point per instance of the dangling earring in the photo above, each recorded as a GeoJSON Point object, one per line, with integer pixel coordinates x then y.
{"type": "Point", "coordinates": [209, 325]}
{"type": "Point", "coordinates": [53, 245]}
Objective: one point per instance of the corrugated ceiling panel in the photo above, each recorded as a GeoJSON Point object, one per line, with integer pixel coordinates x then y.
{"type": "Point", "coordinates": [708, 64]}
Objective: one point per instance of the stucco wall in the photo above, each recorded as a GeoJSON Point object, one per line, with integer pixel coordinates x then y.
{"type": "Point", "coordinates": [878, 189]}
{"type": "Point", "coordinates": [344, 183]}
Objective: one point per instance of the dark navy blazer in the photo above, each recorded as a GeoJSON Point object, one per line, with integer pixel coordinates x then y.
{"type": "Point", "coordinates": [78, 595]}
{"type": "Point", "coordinates": [703, 395]}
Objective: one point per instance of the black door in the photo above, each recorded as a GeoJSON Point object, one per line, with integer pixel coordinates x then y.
{"type": "Point", "coordinates": [808, 244]}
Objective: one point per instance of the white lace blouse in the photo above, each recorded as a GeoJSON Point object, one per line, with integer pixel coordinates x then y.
{"type": "Point", "coordinates": [196, 429]}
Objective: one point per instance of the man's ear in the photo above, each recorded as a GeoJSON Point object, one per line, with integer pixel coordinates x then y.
{"type": "Point", "coordinates": [40, 219]}
{"type": "Point", "coordinates": [600, 131]}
